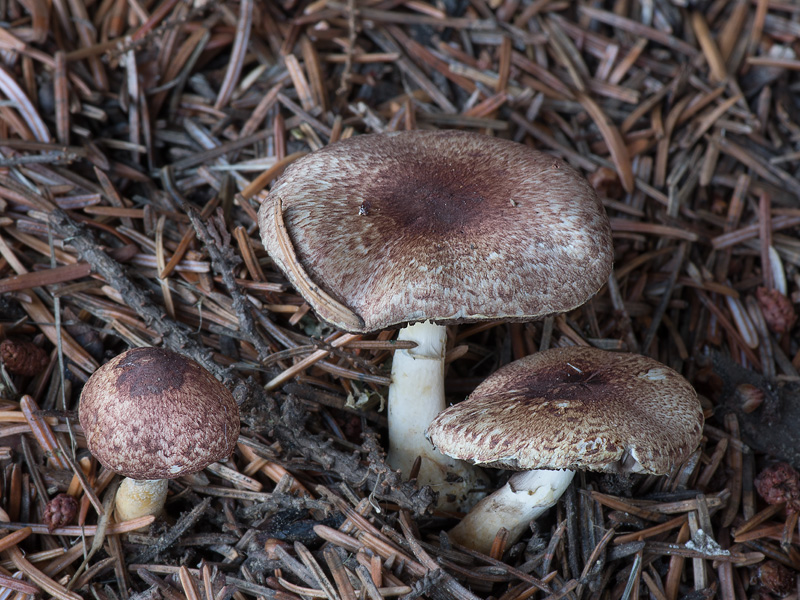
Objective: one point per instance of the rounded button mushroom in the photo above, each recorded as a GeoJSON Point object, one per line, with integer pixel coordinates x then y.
{"type": "Point", "coordinates": [560, 410]}
{"type": "Point", "coordinates": [151, 415]}
{"type": "Point", "coordinates": [428, 228]}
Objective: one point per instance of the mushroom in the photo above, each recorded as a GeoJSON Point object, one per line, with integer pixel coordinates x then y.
{"type": "Point", "coordinates": [559, 410]}
{"type": "Point", "coordinates": [428, 228]}
{"type": "Point", "coordinates": [151, 415]}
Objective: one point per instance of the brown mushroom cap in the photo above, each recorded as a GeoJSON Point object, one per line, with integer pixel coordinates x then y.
{"type": "Point", "coordinates": [443, 225]}
{"type": "Point", "coordinates": [154, 414]}
{"type": "Point", "coordinates": [575, 408]}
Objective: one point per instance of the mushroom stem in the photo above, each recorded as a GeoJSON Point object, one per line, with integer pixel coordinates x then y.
{"type": "Point", "coordinates": [140, 498]}
{"type": "Point", "coordinates": [416, 396]}
{"type": "Point", "coordinates": [523, 499]}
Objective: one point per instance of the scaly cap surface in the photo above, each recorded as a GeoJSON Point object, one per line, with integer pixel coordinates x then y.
{"type": "Point", "coordinates": [443, 225]}
{"type": "Point", "coordinates": [575, 408]}
{"type": "Point", "coordinates": [150, 413]}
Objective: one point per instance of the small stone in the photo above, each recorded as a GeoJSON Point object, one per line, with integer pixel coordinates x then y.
{"type": "Point", "coordinates": [704, 543]}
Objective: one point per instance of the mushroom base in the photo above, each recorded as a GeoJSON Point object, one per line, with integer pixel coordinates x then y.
{"type": "Point", "coordinates": [140, 498]}
{"type": "Point", "coordinates": [416, 396]}
{"type": "Point", "coordinates": [523, 499]}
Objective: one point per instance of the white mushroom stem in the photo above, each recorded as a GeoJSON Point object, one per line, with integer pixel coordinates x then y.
{"type": "Point", "coordinates": [416, 396]}
{"type": "Point", "coordinates": [523, 499]}
{"type": "Point", "coordinates": [140, 498]}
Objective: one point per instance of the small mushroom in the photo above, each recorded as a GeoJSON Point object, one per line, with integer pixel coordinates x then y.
{"type": "Point", "coordinates": [151, 415]}
{"type": "Point", "coordinates": [556, 411]}
{"type": "Point", "coordinates": [427, 228]}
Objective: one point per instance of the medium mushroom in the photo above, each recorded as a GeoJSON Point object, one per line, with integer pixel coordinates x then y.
{"type": "Point", "coordinates": [151, 415]}
{"type": "Point", "coordinates": [428, 228]}
{"type": "Point", "coordinates": [559, 410]}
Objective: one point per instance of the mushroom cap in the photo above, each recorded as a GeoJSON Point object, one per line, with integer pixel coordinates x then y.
{"type": "Point", "coordinates": [448, 226]}
{"type": "Point", "coordinates": [575, 408]}
{"type": "Point", "coordinates": [154, 414]}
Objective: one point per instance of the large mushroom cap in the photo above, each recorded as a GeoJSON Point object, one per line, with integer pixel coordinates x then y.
{"type": "Point", "coordinates": [154, 414]}
{"type": "Point", "coordinates": [443, 225]}
{"type": "Point", "coordinates": [575, 408]}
